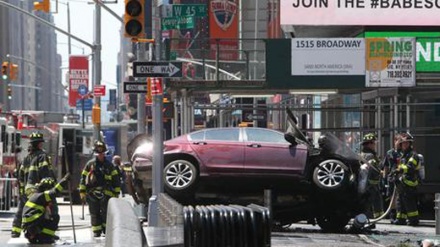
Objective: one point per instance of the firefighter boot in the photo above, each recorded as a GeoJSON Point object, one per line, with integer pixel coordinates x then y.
{"type": "Point", "coordinates": [413, 222]}
{"type": "Point", "coordinates": [399, 222]}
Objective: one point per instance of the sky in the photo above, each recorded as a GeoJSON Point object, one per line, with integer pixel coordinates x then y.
{"type": "Point", "coordinates": [82, 26]}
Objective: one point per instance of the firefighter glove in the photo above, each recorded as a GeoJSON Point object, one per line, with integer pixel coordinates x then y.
{"type": "Point", "coordinates": [82, 195]}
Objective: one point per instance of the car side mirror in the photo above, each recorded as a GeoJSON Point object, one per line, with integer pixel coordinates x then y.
{"type": "Point", "coordinates": [291, 139]}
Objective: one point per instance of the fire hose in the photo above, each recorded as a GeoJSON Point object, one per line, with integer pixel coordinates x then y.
{"type": "Point", "coordinates": [361, 221]}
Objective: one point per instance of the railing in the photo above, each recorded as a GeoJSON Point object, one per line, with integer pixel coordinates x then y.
{"type": "Point", "coordinates": [8, 194]}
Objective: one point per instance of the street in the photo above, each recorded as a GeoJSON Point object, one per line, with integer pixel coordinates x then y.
{"type": "Point", "coordinates": [296, 235]}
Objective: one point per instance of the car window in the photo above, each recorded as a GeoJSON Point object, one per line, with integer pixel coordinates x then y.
{"type": "Point", "coordinates": [222, 135]}
{"type": "Point", "coordinates": [197, 136]}
{"type": "Point", "coordinates": [261, 135]}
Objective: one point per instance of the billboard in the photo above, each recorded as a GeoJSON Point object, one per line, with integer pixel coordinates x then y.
{"type": "Point", "coordinates": [328, 56]}
{"type": "Point", "coordinates": [362, 13]}
{"type": "Point", "coordinates": [390, 62]}
{"type": "Point", "coordinates": [78, 75]}
{"type": "Point", "coordinates": [223, 25]}
{"type": "Point", "coordinates": [427, 47]}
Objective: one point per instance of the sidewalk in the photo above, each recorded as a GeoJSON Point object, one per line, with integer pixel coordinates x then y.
{"type": "Point", "coordinates": [83, 233]}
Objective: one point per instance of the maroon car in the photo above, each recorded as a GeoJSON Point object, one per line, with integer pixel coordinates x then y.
{"type": "Point", "coordinates": [238, 164]}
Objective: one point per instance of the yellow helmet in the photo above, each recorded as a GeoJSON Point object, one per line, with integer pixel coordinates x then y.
{"type": "Point", "coordinates": [36, 137]}
{"type": "Point", "coordinates": [99, 147]}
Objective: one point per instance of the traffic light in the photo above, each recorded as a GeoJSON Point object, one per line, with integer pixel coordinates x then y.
{"type": "Point", "coordinates": [134, 18]}
{"type": "Point", "coordinates": [42, 6]}
{"type": "Point", "coordinates": [9, 92]}
{"type": "Point", "coordinates": [13, 71]}
{"type": "Point", "coordinates": [5, 70]}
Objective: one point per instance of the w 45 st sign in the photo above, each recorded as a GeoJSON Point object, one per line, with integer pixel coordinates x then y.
{"type": "Point", "coordinates": [157, 69]}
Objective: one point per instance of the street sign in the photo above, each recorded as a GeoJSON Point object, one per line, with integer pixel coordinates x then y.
{"type": "Point", "coordinates": [157, 69]}
{"type": "Point", "coordinates": [135, 87]}
{"type": "Point", "coordinates": [82, 90]}
{"type": "Point", "coordinates": [179, 22]}
{"type": "Point", "coordinates": [99, 90]}
{"type": "Point", "coordinates": [174, 10]}
{"type": "Point", "coordinates": [73, 116]}
{"type": "Point", "coordinates": [88, 104]}
{"type": "Point", "coordinates": [251, 117]}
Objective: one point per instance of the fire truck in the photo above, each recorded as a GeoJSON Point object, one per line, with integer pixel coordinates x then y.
{"type": "Point", "coordinates": [10, 140]}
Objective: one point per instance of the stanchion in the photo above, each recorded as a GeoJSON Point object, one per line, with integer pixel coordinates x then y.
{"type": "Point", "coordinates": [437, 213]}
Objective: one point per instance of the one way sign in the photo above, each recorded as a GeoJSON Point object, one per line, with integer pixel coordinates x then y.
{"type": "Point", "coordinates": [157, 69]}
{"type": "Point", "coordinates": [135, 87]}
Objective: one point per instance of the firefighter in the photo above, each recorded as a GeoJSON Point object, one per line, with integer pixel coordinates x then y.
{"type": "Point", "coordinates": [116, 160]}
{"type": "Point", "coordinates": [40, 213]}
{"type": "Point", "coordinates": [407, 181]}
{"type": "Point", "coordinates": [389, 165]}
{"type": "Point", "coordinates": [40, 164]}
{"type": "Point", "coordinates": [374, 204]}
{"type": "Point", "coordinates": [22, 177]}
{"type": "Point", "coordinates": [99, 182]}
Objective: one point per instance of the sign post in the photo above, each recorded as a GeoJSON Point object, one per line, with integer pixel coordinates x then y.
{"type": "Point", "coordinates": [82, 90]}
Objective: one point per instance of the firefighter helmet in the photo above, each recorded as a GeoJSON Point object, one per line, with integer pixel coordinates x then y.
{"type": "Point", "coordinates": [36, 137]}
{"type": "Point", "coordinates": [370, 137]}
{"type": "Point", "coordinates": [406, 137]}
{"type": "Point", "coordinates": [45, 184]}
{"type": "Point", "coordinates": [100, 147]}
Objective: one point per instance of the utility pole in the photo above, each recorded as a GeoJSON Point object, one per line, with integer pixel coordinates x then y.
{"type": "Point", "coordinates": [157, 170]}
{"type": "Point", "coordinates": [97, 67]}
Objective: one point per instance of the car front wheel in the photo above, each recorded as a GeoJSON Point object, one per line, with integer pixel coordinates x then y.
{"type": "Point", "coordinates": [180, 176]}
{"type": "Point", "coordinates": [330, 174]}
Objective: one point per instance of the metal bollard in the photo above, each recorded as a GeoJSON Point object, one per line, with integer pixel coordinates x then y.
{"type": "Point", "coordinates": [437, 213]}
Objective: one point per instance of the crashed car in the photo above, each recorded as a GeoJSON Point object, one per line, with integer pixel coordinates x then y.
{"type": "Point", "coordinates": [236, 165]}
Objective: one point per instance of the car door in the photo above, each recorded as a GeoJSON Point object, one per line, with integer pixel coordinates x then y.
{"type": "Point", "coordinates": [221, 150]}
{"type": "Point", "coordinates": [268, 153]}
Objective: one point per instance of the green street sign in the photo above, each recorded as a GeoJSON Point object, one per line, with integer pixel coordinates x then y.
{"type": "Point", "coordinates": [175, 10]}
{"type": "Point", "coordinates": [182, 22]}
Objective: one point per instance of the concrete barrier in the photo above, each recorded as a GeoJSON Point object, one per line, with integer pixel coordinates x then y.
{"type": "Point", "coordinates": [123, 226]}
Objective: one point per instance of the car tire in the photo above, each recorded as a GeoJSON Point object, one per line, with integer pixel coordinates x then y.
{"type": "Point", "coordinates": [333, 223]}
{"type": "Point", "coordinates": [180, 177]}
{"type": "Point", "coordinates": [330, 175]}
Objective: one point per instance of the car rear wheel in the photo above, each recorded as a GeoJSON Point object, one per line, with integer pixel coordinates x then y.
{"type": "Point", "coordinates": [330, 174]}
{"type": "Point", "coordinates": [180, 176]}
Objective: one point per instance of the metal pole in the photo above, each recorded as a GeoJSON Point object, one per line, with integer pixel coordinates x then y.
{"type": "Point", "coordinates": [97, 64]}
{"type": "Point", "coordinates": [437, 213]}
{"type": "Point", "coordinates": [157, 186]}
{"type": "Point", "coordinates": [141, 111]}
{"type": "Point", "coordinates": [69, 40]}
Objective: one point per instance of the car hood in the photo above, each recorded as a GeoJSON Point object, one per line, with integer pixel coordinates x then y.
{"type": "Point", "coordinates": [293, 134]}
{"type": "Point", "coordinates": [328, 142]}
